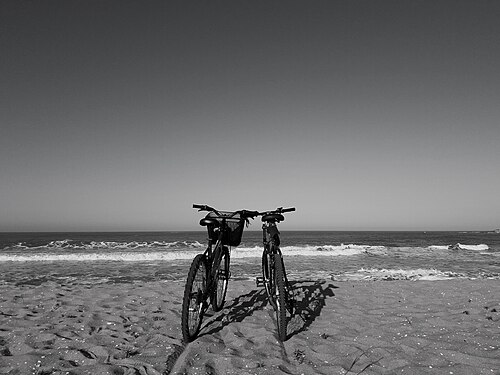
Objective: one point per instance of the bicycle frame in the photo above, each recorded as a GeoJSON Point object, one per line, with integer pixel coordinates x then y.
{"type": "Point", "coordinates": [209, 257]}
{"type": "Point", "coordinates": [271, 241]}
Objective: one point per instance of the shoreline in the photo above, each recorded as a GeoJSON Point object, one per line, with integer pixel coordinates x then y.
{"type": "Point", "coordinates": [377, 327]}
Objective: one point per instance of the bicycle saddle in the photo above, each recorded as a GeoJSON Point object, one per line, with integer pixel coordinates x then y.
{"type": "Point", "coordinates": [209, 222]}
{"type": "Point", "coordinates": [273, 217]}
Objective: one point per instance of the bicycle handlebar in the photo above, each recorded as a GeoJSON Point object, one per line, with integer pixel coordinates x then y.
{"type": "Point", "coordinates": [245, 213]}
{"type": "Point", "coordinates": [279, 210]}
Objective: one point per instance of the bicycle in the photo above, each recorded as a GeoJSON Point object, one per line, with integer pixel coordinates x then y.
{"type": "Point", "coordinates": [209, 274]}
{"type": "Point", "coordinates": [274, 278]}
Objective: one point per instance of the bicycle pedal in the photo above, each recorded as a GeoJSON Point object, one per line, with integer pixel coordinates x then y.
{"type": "Point", "coordinates": [259, 280]}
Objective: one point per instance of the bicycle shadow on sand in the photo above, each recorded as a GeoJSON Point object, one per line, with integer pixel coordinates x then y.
{"type": "Point", "coordinates": [310, 298]}
{"type": "Point", "coordinates": [240, 308]}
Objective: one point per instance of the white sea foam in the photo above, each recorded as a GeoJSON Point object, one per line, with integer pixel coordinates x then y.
{"type": "Point", "coordinates": [89, 257]}
{"type": "Point", "coordinates": [307, 250]}
{"type": "Point", "coordinates": [438, 247]}
{"type": "Point", "coordinates": [480, 247]}
{"type": "Point", "coordinates": [459, 246]}
{"type": "Point", "coordinates": [108, 245]}
{"type": "Point", "coordinates": [89, 252]}
{"type": "Point", "coordinates": [397, 274]}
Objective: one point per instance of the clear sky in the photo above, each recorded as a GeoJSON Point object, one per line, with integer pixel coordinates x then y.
{"type": "Point", "coordinates": [365, 115]}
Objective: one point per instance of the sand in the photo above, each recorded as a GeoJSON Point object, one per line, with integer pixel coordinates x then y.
{"type": "Point", "coordinates": [342, 327]}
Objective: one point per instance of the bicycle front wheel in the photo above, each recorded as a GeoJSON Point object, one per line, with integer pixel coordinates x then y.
{"type": "Point", "coordinates": [194, 296]}
{"type": "Point", "coordinates": [281, 297]}
{"type": "Point", "coordinates": [221, 279]}
{"type": "Point", "coordinates": [268, 276]}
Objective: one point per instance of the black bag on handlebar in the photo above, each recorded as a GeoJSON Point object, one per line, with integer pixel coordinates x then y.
{"type": "Point", "coordinates": [235, 225]}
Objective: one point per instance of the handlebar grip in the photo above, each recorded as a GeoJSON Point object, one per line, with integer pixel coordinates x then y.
{"type": "Point", "coordinates": [204, 207]}
{"type": "Point", "coordinates": [288, 209]}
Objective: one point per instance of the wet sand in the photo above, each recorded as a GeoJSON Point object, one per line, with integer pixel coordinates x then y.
{"type": "Point", "coordinates": [341, 327]}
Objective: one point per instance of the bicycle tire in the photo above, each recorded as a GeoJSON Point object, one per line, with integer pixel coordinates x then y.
{"type": "Point", "coordinates": [268, 277]}
{"type": "Point", "coordinates": [193, 301]}
{"type": "Point", "coordinates": [281, 298]}
{"type": "Point", "coordinates": [221, 278]}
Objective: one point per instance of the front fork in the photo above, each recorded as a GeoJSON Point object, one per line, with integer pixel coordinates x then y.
{"type": "Point", "coordinates": [261, 281]}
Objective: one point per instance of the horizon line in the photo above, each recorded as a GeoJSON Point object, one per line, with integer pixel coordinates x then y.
{"type": "Point", "coordinates": [495, 231]}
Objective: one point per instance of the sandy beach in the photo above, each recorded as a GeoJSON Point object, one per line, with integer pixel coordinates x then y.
{"type": "Point", "coordinates": [341, 327]}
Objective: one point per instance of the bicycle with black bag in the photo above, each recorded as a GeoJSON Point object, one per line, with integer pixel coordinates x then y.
{"type": "Point", "coordinates": [209, 273]}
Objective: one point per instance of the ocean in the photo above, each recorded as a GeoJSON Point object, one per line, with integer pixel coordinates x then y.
{"type": "Point", "coordinates": [36, 258]}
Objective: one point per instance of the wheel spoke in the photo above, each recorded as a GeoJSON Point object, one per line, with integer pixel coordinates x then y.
{"type": "Point", "coordinates": [193, 302]}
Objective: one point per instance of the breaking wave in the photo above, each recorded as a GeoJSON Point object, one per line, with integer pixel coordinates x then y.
{"type": "Point", "coordinates": [90, 257]}
{"type": "Point", "coordinates": [107, 245]}
{"type": "Point", "coordinates": [153, 251]}
{"type": "Point", "coordinates": [459, 246]}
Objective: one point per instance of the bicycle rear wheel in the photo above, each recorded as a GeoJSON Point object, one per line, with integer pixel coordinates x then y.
{"type": "Point", "coordinates": [281, 297]}
{"type": "Point", "coordinates": [221, 279]}
{"type": "Point", "coordinates": [194, 296]}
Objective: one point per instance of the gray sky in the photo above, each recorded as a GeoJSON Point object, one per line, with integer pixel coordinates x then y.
{"type": "Point", "coordinates": [365, 115]}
